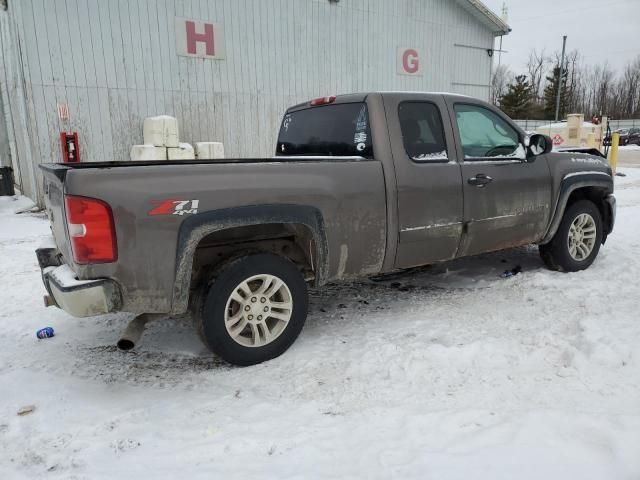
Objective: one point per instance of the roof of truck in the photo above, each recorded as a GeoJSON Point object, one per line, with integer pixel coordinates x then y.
{"type": "Point", "coordinates": [362, 96]}
{"type": "Point", "coordinates": [415, 92]}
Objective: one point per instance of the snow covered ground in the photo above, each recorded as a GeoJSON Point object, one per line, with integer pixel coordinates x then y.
{"type": "Point", "coordinates": [450, 372]}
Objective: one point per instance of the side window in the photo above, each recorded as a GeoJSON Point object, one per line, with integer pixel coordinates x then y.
{"type": "Point", "coordinates": [333, 130]}
{"type": "Point", "coordinates": [484, 134]}
{"type": "Point", "coordinates": [422, 132]}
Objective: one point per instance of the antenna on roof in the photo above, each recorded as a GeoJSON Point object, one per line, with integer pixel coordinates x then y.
{"type": "Point", "coordinates": [505, 13]}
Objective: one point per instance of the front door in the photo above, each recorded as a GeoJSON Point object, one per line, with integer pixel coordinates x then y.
{"type": "Point", "coordinates": [427, 177]}
{"type": "Point", "coordinates": [506, 196]}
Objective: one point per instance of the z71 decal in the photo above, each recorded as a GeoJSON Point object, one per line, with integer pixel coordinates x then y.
{"type": "Point", "coordinates": [175, 207]}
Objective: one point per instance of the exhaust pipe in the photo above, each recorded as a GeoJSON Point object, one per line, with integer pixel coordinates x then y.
{"type": "Point", "coordinates": [131, 335]}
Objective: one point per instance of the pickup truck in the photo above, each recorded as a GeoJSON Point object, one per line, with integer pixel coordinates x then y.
{"type": "Point", "coordinates": [361, 184]}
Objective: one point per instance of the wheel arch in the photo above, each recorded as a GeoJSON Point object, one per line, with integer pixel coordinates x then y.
{"type": "Point", "coordinates": [593, 186]}
{"type": "Point", "coordinates": [246, 229]}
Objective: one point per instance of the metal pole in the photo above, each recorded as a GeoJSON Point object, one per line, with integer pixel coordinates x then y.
{"type": "Point", "coordinates": [613, 155]}
{"type": "Point", "coordinates": [560, 72]}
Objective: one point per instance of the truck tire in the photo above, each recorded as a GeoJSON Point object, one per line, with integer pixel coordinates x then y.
{"type": "Point", "coordinates": [253, 310]}
{"type": "Point", "coordinates": [576, 244]}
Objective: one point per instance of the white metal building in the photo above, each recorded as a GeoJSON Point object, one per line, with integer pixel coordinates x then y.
{"type": "Point", "coordinates": [227, 69]}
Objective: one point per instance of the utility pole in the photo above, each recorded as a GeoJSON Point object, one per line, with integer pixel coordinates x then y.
{"type": "Point", "coordinates": [560, 76]}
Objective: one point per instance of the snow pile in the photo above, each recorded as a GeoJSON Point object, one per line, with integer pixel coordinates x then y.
{"type": "Point", "coordinates": [631, 146]}
{"type": "Point", "coordinates": [449, 372]}
{"type": "Point", "coordinates": [431, 156]}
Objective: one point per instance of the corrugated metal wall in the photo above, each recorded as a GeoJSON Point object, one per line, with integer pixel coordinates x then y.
{"type": "Point", "coordinates": [114, 63]}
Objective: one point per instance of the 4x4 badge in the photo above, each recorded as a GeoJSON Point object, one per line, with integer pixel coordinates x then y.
{"type": "Point", "coordinates": [175, 207]}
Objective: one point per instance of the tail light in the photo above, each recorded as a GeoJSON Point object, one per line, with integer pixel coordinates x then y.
{"type": "Point", "coordinates": [91, 230]}
{"type": "Point", "coordinates": [323, 100]}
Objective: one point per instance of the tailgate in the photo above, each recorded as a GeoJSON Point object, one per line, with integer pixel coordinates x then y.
{"type": "Point", "coordinates": [54, 176]}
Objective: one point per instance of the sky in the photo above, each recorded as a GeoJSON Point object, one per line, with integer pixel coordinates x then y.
{"type": "Point", "coordinates": [601, 30]}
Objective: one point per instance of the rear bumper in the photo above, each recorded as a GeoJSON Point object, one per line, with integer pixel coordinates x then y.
{"type": "Point", "coordinates": [80, 298]}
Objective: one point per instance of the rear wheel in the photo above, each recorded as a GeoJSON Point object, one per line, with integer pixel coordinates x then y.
{"type": "Point", "coordinates": [254, 309]}
{"type": "Point", "coordinates": [577, 242]}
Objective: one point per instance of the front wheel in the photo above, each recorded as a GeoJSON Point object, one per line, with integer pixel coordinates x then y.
{"type": "Point", "coordinates": [576, 243]}
{"type": "Point", "coordinates": [254, 309]}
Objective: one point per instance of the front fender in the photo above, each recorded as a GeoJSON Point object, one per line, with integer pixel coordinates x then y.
{"type": "Point", "coordinates": [196, 227]}
{"type": "Point", "coordinates": [570, 183]}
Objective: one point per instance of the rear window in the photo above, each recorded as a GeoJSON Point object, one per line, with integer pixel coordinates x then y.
{"type": "Point", "coordinates": [330, 130]}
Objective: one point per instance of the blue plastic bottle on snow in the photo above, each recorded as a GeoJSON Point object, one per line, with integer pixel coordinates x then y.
{"type": "Point", "coordinates": [46, 332]}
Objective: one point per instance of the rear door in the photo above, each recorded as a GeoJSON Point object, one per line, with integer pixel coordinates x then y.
{"type": "Point", "coordinates": [429, 186]}
{"type": "Point", "coordinates": [506, 198]}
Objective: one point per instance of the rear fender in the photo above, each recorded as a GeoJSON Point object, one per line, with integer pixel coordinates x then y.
{"type": "Point", "coordinates": [196, 227]}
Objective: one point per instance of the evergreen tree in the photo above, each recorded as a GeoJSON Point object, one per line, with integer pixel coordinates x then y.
{"type": "Point", "coordinates": [517, 101]}
{"type": "Point", "coordinates": [551, 92]}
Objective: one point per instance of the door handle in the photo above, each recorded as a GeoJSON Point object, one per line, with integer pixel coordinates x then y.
{"type": "Point", "coordinates": [480, 180]}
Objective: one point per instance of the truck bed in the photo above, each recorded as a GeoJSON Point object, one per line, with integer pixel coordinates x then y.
{"type": "Point", "coordinates": [346, 196]}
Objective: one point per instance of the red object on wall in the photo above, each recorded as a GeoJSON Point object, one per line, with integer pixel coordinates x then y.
{"type": "Point", "coordinates": [410, 61]}
{"type": "Point", "coordinates": [70, 147]}
{"type": "Point", "coordinates": [206, 37]}
{"type": "Point", "coordinates": [557, 139]}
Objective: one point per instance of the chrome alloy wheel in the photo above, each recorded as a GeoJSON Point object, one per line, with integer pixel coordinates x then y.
{"type": "Point", "coordinates": [258, 310]}
{"type": "Point", "coordinates": [582, 237]}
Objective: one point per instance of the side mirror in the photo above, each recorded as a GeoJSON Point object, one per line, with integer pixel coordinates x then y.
{"type": "Point", "coordinates": [539, 145]}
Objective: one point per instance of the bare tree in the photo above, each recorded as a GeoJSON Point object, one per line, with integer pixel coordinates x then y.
{"type": "Point", "coordinates": [636, 109]}
{"type": "Point", "coordinates": [629, 89]}
{"type": "Point", "coordinates": [572, 66]}
{"type": "Point", "coordinates": [500, 80]}
{"type": "Point", "coordinates": [604, 100]}
{"type": "Point", "coordinates": [537, 68]}
{"type": "Point", "coordinates": [588, 89]}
